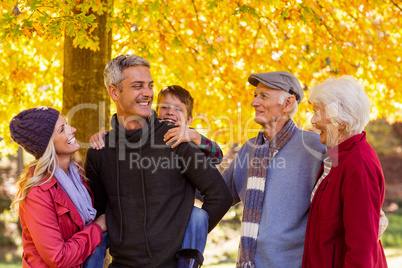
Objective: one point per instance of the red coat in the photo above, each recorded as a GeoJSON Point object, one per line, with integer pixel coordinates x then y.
{"type": "Point", "coordinates": [343, 222]}
{"type": "Point", "coordinates": [53, 233]}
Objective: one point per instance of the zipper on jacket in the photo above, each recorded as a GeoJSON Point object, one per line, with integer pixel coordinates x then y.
{"type": "Point", "coordinates": [319, 197]}
{"type": "Point", "coordinates": [118, 190]}
{"type": "Point", "coordinates": [315, 202]}
{"type": "Point", "coordinates": [145, 205]}
{"type": "Point", "coordinates": [323, 188]}
{"type": "Point", "coordinates": [308, 226]}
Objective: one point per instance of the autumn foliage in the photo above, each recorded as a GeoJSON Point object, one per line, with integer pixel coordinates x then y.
{"type": "Point", "coordinates": [209, 47]}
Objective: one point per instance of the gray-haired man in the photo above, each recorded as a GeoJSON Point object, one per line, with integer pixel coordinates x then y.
{"type": "Point", "coordinates": [273, 175]}
{"type": "Point", "coordinates": [145, 188]}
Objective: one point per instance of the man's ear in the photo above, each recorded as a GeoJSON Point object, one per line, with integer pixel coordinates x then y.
{"type": "Point", "coordinates": [113, 92]}
{"type": "Point", "coordinates": [289, 103]}
{"type": "Point", "coordinates": [189, 120]}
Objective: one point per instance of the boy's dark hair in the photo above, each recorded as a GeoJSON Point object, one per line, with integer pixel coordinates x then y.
{"type": "Point", "coordinates": [181, 93]}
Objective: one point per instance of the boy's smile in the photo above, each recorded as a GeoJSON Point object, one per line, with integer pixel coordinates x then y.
{"type": "Point", "coordinates": [173, 110]}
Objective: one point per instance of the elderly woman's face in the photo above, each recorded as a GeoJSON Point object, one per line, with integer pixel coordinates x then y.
{"type": "Point", "coordinates": [329, 133]}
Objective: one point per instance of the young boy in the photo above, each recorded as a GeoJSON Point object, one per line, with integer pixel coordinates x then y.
{"type": "Point", "coordinates": [175, 104]}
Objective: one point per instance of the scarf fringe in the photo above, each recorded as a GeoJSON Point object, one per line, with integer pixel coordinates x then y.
{"type": "Point", "coordinates": [246, 264]}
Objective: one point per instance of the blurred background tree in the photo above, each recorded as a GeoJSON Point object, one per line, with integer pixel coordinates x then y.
{"type": "Point", "coordinates": [54, 51]}
{"type": "Point", "coordinates": [209, 47]}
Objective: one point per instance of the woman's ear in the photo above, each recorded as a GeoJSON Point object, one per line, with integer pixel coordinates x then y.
{"type": "Point", "coordinates": [342, 126]}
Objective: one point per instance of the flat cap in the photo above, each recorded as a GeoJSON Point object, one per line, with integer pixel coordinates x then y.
{"type": "Point", "coordinates": [279, 80]}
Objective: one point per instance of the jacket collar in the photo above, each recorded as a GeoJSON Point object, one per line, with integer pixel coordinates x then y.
{"type": "Point", "coordinates": [43, 184]}
{"type": "Point", "coordinates": [118, 132]}
{"type": "Point", "coordinates": [62, 199]}
{"type": "Point", "coordinates": [49, 184]}
{"type": "Point", "coordinates": [344, 146]}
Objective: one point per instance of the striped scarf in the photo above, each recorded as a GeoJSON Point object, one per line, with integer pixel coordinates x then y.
{"type": "Point", "coordinates": [262, 156]}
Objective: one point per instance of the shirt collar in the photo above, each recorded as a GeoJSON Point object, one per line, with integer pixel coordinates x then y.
{"type": "Point", "coordinates": [265, 139]}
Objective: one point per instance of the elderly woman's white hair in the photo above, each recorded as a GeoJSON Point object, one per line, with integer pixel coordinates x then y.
{"type": "Point", "coordinates": [345, 102]}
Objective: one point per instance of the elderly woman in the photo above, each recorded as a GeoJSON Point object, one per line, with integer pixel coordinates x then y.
{"type": "Point", "coordinates": [58, 222]}
{"type": "Point", "coordinates": [343, 223]}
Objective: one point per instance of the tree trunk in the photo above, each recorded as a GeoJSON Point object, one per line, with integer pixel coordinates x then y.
{"type": "Point", "coordinates": [86, 102]}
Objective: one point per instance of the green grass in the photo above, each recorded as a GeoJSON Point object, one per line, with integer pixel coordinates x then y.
{"type": "Point", "coordinates": [392, 237]}
{"type": "Point", "coordinates": [221, 251]}
{"type": "Point", "coordinates": [10, 265]}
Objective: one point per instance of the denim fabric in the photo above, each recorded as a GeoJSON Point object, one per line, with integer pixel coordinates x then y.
{"type": "Point", "coordinates": [96, 259]}
{"type": "Point", "coordinates": [197, 230]}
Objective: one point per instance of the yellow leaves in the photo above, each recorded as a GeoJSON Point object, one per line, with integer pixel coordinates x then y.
{"type": "Point", "coordinates": [27, 31]}
{"type": "Point", "coordinates": [211, 47]}
{"type": "Point", "coordinates": [50, 19]}
{"type": "Point", "coordinates": [30, 76]}
{"type": "Point", "coordinates": [23, 75]}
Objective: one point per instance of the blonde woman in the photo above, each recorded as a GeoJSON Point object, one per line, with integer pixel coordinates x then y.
{"type": "Point", "coordinates": [54, 203]}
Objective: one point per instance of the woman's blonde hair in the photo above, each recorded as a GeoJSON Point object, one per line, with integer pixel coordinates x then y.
{"type": "Point", "coordinates": [44, 167]}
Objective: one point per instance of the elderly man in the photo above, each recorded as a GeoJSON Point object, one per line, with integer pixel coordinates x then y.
{"type": "Point", "coordinates": [273, 175]}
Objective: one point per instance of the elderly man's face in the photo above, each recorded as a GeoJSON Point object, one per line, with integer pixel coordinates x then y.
{"type": "Point", "coordinates": [266, 105]}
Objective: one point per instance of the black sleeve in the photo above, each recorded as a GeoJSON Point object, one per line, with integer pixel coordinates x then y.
{"type": "Point", "coordinates": [206, 178]}
{"type": "Point", "coordinates": [92, 170]}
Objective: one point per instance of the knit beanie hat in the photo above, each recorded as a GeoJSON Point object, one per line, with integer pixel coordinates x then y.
{"type": "Point", "coordinates": [33, 128]}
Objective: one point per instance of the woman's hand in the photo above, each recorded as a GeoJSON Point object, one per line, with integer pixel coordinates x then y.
{"type": "Point", "coordinates": [96, 140]}
{"type": "Point", "coordinates": [101, 221]}
{"type": "Point", "coordinates": [383, 224]}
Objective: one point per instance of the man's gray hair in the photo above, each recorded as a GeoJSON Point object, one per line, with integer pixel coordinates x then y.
{"type": "Point", "coordinates": [113, 73]}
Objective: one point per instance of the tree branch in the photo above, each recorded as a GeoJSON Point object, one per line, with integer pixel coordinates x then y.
{"type": "Point", "coordinates": [256, 36]}
{"type": "Point", "coordinates": [196, 15]}
{"type": "Point", "coordinates": [396, 5]}
{"type": "Point", "coordinates": [323, 23]}
{"type": "Point", "coordinates": [192, 50]}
